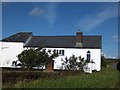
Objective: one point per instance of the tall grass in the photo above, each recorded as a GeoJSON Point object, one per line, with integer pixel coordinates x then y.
{"type": "Point", "coordinates": [106, 78]}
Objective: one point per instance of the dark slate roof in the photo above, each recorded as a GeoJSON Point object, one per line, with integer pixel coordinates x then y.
{"type": "Point", "coordinates": [18, 37]}
{"type": "Point", "coordinates": [54, 41]}
{"type": "Point", "coordinates": [92, 41]}
{"type": "Point", "coordinates": [64, 41]}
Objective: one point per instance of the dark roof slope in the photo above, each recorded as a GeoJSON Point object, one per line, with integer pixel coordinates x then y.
{"type": "Point", "coordinates": [54, 41]}
{"type": "Point", "coordinates": [64, 41]}
{"type": "Point", "coordinates": [18, 37]}
{"type": "Point", "coordinates": [92, 41]}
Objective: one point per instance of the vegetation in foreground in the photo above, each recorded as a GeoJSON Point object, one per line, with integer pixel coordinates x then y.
{"type": "Point", "coordinates": [106, 78]}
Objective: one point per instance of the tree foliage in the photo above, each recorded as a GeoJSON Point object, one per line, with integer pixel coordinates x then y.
{"type": "Point", "coordinates": [73, 63]}
{"type": "Point", "coordinates": [103, 64]}
{"type": "Point", "coordinates": [35, 57]}
{"type": "Point", "coordinates": [118, 66]}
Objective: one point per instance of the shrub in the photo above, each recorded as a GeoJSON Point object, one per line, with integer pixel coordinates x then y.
{"type": "Point", "coordinates": [73, 63]}
{"type": "Point", "coordinates": [103, 64]}
{"type": "Point", "coordinates": [15, 76]}
{"type": "Point", "coordinates": [35, 57]}
{"type": "Point", "coordinates": [118, 66]}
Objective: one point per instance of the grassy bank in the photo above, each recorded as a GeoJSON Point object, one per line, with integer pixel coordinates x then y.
{"type": "Point", "coordinates": [106, 78]}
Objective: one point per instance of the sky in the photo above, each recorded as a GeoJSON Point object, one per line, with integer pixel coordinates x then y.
{"type": "Point", "coordinates": [64, 18]}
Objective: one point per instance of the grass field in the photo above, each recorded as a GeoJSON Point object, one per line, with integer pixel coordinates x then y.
{"type": "Point", "coordinates": [106, 78]}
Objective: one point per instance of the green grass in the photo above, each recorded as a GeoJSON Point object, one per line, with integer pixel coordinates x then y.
{"type": "Point", "coordinates": [106, 78]}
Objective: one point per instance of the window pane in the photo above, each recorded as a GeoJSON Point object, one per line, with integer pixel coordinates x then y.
{"type": "Point", "coordinates": [62, 52]}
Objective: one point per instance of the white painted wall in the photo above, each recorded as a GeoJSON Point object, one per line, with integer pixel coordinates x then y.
{"type": "Point", "coordinates": [9, 52]}
{"type": "Point", "coordinates": [95, 56]}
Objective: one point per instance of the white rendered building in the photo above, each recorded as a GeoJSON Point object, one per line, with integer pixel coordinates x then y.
{"type": "Point", "coordinates": [88, 47]}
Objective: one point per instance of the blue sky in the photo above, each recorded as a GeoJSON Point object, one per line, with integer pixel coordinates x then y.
{"type": "Point", "coordinates": [64, 18]}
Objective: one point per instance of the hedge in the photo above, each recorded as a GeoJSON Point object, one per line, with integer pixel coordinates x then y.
{"type": "Point", "coordinates": [14, 76]}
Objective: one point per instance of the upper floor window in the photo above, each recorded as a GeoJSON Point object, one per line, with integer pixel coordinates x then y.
{"type": "Point", "coordinates": [59, 52]}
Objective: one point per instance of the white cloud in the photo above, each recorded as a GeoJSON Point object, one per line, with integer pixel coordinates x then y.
{"type": "Point", "coordinates": [95, 19]}
{"type": "Point", "coordinates": [36, 12]}
{"type": "Point", "coordinates": [48, 11]}
{"type": "Point", "coordinates": [51, 13]}
{"type": "Point", "coordinates": [108, 56]}
{"type": "Point", "coordinates": [115, 37]}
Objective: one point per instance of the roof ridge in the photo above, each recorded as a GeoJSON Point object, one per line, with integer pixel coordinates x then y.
{"type": "Point", "coordinates": [55, 36]}
{"type": "Point", "coordinates": [71, 36]}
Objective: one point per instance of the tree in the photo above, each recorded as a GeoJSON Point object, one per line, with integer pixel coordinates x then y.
{"type": "Point", "coordinates": [46, 57]}
{"type": "Point", "coordinates": [35, 57]}
{"type": "Point", "coordinates": [118, 66]}
{"type": "Point", "coordinates": [28, 58]}
{"type": "Point", "coordinates": [74, 63]}
{"type": "Point", "coordinates": [103, 64]}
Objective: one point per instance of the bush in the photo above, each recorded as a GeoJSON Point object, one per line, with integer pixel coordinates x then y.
{"type": "Point", "coordinates": [15, 76]}
{"type": "Point", "coordinates": [35, 57]}
{"type": "Point", "coordinates": [73, 63]}
{"type": "Point", "coordinates": [118, 66]}
{"type": "Point", "coordinates": [103, 64]}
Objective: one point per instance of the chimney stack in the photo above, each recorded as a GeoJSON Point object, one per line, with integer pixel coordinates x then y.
{"type": "Point", "coordinates": [79, 38]}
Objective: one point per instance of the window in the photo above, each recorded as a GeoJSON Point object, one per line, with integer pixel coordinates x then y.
{"type": "Point", "coordinates": [88, 56]}
{"type": "Point", "coordinates": [54, 51]}
{"type": "Point", "coordinates": [59, 52]}
{"type": "Point", "coordinates": [63, 52]}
